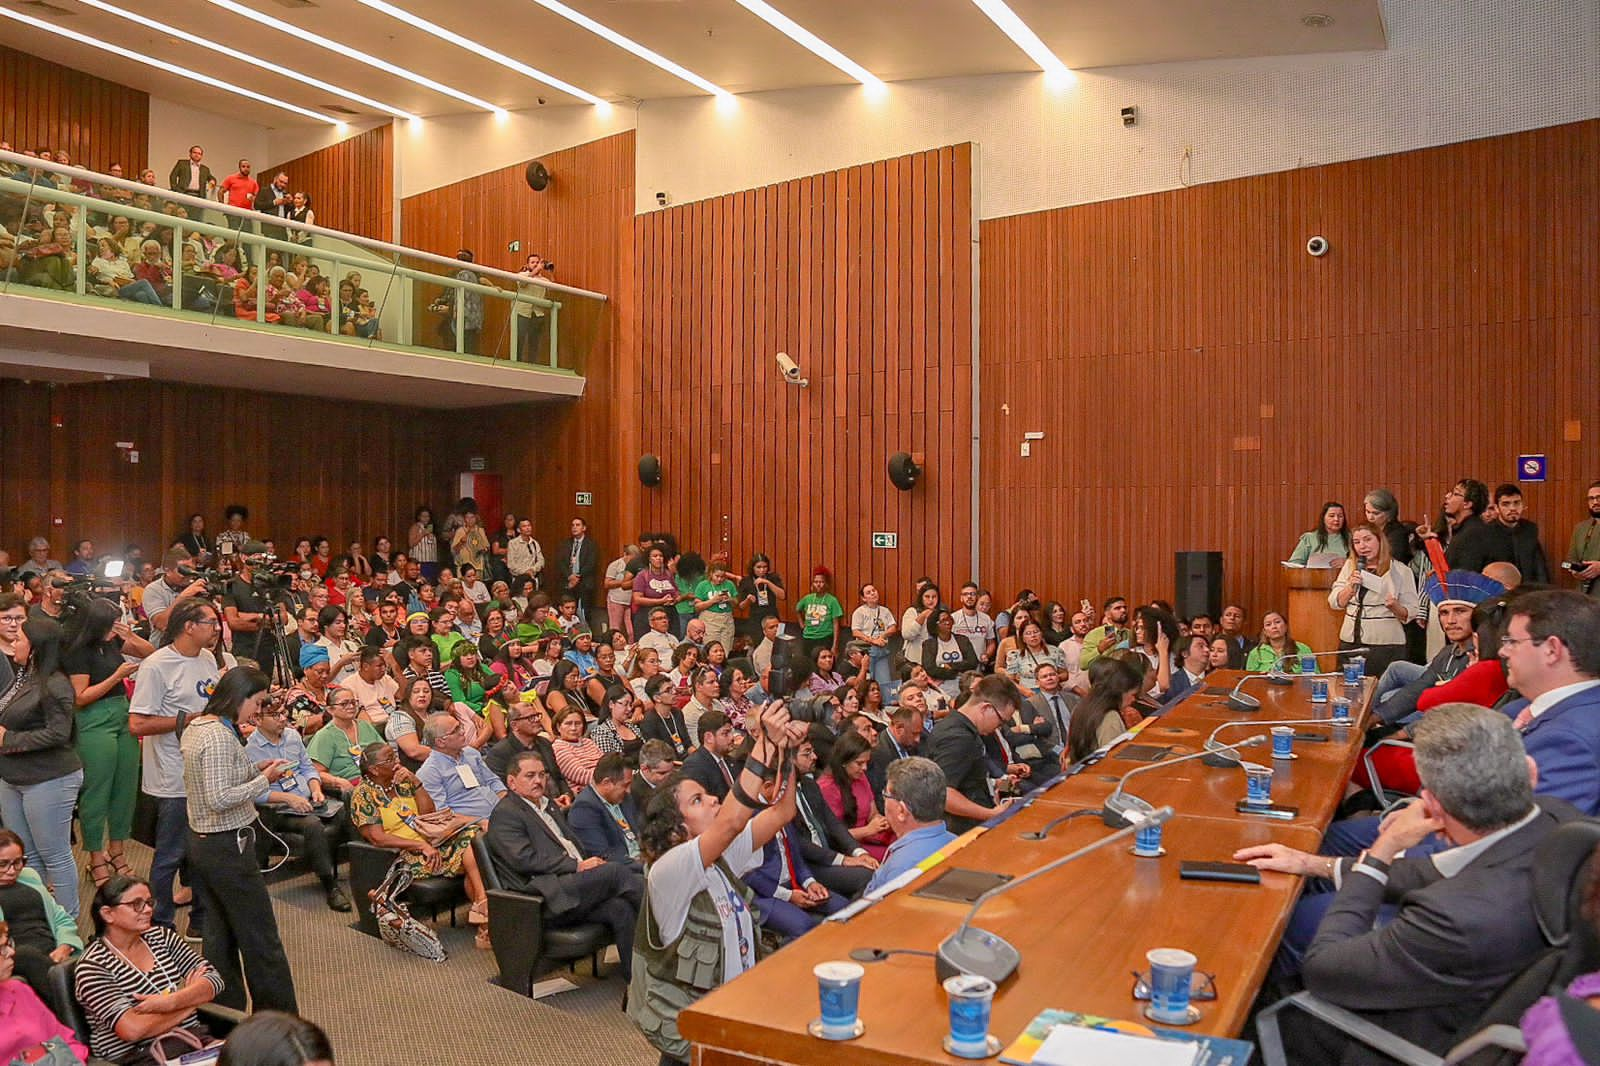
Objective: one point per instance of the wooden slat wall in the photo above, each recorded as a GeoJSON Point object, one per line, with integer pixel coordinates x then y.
{"type": "Point", "coordinates": [300, 467]}
{"type": "Point", "coordinates": [351, 184]}
{"type": "Point", "coordinates": [584, 222]}
{"type": "Point", "coordinates": [99, 122]}
{"type": "Point", "coordinates": [1203, 383]}
{"type": "Point", "coordinates": [864, 277]}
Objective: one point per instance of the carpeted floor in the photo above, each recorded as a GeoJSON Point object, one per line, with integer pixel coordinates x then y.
{"type": "Point", "coordinates": [382, 1007]}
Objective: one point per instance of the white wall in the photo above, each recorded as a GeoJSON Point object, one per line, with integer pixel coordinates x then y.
{"type": "Point", "coordinates": [174, 127]}
{"type": "Point", "coordinates": [442, 150]}
{"type": "Point", "coordinates": [292, 142]}
{"type": "Point", "coordinates": [1453, 71]}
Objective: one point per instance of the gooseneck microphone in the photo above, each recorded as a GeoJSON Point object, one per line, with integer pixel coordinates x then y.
{"type": "Point", "coordinates": [973, 950]}
{"type": "Point", "coordinates": [1124, 809]}
{"type": "Point", "coordinates": [1219, 754]}
{"type": "Point", "coordinates": [1240, 701]}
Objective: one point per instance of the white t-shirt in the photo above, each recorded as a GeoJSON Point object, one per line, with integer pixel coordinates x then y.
{"type": "Point", "coordinates": [873, 621]}
{"type": "Point", "coordinates": [616, 570]}
{"type": "Point", "coordinates": [976, 627]}
{"type": "Point", "coordinates": [167, 684]}
{"type": "Point", "coordinates": [677, 877]}
{"type": "Point", "coordinates": [338, 651]}
{"type": "Point", "coordinates": [377, 698]}
{"type": "Point", "coordinates": [663, 643]}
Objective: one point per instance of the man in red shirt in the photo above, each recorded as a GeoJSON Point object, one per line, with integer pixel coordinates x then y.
{"type": "Point", "coordinates": [239, 190]}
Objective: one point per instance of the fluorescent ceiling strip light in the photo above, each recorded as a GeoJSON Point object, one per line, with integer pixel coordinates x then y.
{"type": "Point", "coordinates": [628, 43]}
{"type": "Point", "coordinates": [356, 54]}
{"type": "Point", "coordinates": [816, 45]}
{"type": "Point", "coordinates": [486, 52]}
{"type": "Point", "coordinates": [170, 68]}
{"type": "Point", "coordinates": [245, 57]}
{"type": "Point", "coordinates": [1023, 37]}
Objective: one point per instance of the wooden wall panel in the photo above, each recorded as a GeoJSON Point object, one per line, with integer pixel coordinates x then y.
{"type": "Point", "coordinates": [583, 221]}
{"type": "Point", "coordinates": [863, 276]}
{"type": "Point", "coordinates": [1205, 384]}
{"type": "Point", "coordinates": [201, 449]}
{"type": "Point", "coordinates": [351, 184]}
{"type": "Point", "coordinates": [45, 105]}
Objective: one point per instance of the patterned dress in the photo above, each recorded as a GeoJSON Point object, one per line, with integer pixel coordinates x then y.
{"type": "Point", "coordinates": [395, 810]}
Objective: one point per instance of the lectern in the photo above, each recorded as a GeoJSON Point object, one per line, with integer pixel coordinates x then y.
{"type": "Point", "coordinates": [1311, 620]}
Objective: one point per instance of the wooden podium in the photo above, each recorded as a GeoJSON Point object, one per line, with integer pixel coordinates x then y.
{"type": "Point", "coordinates": [1311, 620]}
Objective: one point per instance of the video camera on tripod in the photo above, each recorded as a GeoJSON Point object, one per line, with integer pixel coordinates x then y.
{"type": "Point", "coordinates": [79, 589]}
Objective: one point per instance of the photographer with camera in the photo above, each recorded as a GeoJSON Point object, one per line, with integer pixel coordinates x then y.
{"type": "Point", "coordinates": [248, 614]}
{"type": "Point", "coordinates": [173, 585]}
{"type": "Point", "coordinates": [532, 317]}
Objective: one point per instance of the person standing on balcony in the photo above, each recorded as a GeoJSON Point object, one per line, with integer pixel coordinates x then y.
{"type": "Point", "coordinates": [275, 200]}
{"type": "Point", "coordinates": [531, 328]}
{"type": "Point", "coordinates": [191, 176]}
{"type": "Point", "coordinates": [239, 188]}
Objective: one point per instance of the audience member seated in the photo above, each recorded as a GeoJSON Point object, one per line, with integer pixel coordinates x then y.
{"type": "Point", "coordinates": [1327, 540]}
{"type": "Point", "coordinates": [455, 775]}
{"type": "Point", "coordinates": [1463, 923]}
{"type": "Point", "coordinates": [534, 852]}
{"type": "Point", "coordinates": [42, 932]}
{"type": "Point", "coordinates": [1560, 1029]}
{"type": "Point", "coordinates": [336, 746]}
{"type": "Point", "coordinates": [480, 688]}
{"type": "Point", "coordinates": [576, 754]}
{"type": "Point", "coordinates": [946, 654]}
{"type": "Point", "coordinates": [1022, 662]}
{"type": "Point", "coordinates": [1454, 599]}
{"type": "Point", "coordinates": [900, 738]}
{"type": "Point", "coordinates": [1275, 646]}
{"type": "Point", "coordinates": [604, 819]}
{"type": "Point", "coordinates": [833, 855]}
{"type": "Point", "coordinates": [1106, 712]}
{"type": "Point", "coordinates": [273, 1038]}
{"type": "Point", "coordinates": [913, 802]}
{"type": "Point", "coordinates": [296, 803]}
{"type": "Point", "coordinates": [957, 745]}
{"type": "Point", "coordinates": [789, 898]}
{"type": "Point", "coordinates": [1194, 664]}
{"type": "Point", "coordinates": [617, 731]}
{"type": "Point", "coordinates": [708, 765]}
{"type": "Point", "coordinates": [138, 981]}
{"type": "Point", "coordinates": [390, 809]}
{"type": "Point", "coordinates": [656, 765]}
{"type": "Point", "coordinates": [526, 734]}
{"type": "Point", "coordinates": [848, 793]}
{"type": "Point", "coordinates": [31, 1033]}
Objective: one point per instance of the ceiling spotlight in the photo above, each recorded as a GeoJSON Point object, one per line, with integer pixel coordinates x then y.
{"type": "Point", "coordinates": [1317, 20]}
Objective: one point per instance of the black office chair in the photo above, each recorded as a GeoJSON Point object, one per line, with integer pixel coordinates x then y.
{"type": "Point", "coordinates": [524, 947]}
{"type": "Point", "coordinates": [369, 865]}
{"type": "Point", "coordinates": [1562, 871]}
{"type": "Point", "coordinates": [64, 1003]}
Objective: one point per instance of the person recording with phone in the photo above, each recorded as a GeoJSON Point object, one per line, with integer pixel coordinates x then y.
{"type": "Point", "coordinates": [223, 785]}
{"type": "Point", "coordinates": [1378, 597]}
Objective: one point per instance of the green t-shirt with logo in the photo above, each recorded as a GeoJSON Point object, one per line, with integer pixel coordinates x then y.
{"type": "Point", "coordinates": [706, 589]}
{"type": "Point", "coordinates": [818, 615]}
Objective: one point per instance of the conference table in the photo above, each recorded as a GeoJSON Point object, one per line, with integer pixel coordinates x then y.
{"type": "Point", "coordinates": [1082, 930]}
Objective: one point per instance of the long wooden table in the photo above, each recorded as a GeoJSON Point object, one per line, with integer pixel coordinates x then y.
{"type": "Point", "coordinates": [1083, 930]}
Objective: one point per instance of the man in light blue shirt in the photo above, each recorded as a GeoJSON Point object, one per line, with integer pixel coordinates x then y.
{"type": "Point", "coordinates": [913, 801]}
{"type": "Point", "coordinates": [295, 803]}
{"type": "Point", "coordinates": [455, 775]}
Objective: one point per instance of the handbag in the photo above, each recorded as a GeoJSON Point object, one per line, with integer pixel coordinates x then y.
{"type": "Point", "coordinates": [53, 1052]}
{"type": "Point", "coordinates": [395, 924]}
{"type": "Point", "coordinates": [191, 1049]}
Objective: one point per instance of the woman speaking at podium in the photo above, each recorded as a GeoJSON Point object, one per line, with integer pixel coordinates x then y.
{"type": "Point", "coordinates": [1378, 596]}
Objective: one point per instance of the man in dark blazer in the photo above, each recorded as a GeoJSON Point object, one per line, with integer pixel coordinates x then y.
{"type": "Point", "coordinates": [656, 764]}
{"type": "Point", "coordinates": [604, 819]}
{"type": "Point", "coordinates": [898, 740]}
{"type": "Point", "coordinates": [1469, 542]}
{"type": "Point", "coordinates": [191, 176]}
{"type": "Point", "coordinates": [276, 200]}
{"type": "Point", "coordinates": [523, 735]}
{"type": "Point", "coordinates": [829, 850]}
{"type": "Point", "coordinates": [708, 764]}
{"type": "Point", "coordinates": [533, 852]}
{"type": "Point", "coordinates": [789, 898]}
{"type": "Point", "coordinates": [1463, 921]}
{"type": "Point", "coordinates": [577, 565]}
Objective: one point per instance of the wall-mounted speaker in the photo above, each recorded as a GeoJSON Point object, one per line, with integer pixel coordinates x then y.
{"type": "Point", "coordinates": [650, 469]}
{"type": "Point", "coordinates": [538, 176]}
{"type": "Point", "coordinates": [903, 471]}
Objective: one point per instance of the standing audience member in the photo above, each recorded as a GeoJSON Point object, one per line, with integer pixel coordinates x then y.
{"type": "Point", "coordinates": [1583, 557]}
{"type": "Point", "coordinates": [1527, 553]}
{"type": "Point", "coordinates": [819, 613]}
{"type": "Point", "coordinates": [957, 746]}
{"type": "Point", "coordinates": [577, 565]}
{"type": "Point", "coordinates": [1377, 597]}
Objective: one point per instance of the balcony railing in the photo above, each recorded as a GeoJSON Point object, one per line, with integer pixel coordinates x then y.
{"type": "Point", "coordinates": [65, 227]}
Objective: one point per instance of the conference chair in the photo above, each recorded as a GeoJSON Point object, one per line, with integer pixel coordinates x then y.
{"type": "Point", "coordinates": [524, 947]}
{"type": "Point", "coordinates": [1385, 797]}
{"type": "Point", "coordinates": [1562, 871]}
{"type": "Point", "coordinates": [369, 865]}
{"type": "Point", "coordinates": [64, 1003]}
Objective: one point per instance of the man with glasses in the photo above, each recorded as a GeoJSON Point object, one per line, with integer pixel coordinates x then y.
{"type": "Point", "coordinates": [296, 803]}
{"type": "Point", "coordinates": [1583, 557]}
{"type": "Point", "coordinates": [455, 775]}
{"type": "Point", "coordinates": [1551, 652]}
{"type": "Point", "coordinates": [175, 680]}
{"type": "Point", "coordinates": [523, 727]}
{"type": "Point", "coordinates": [957, 746]}
{"type": "Point", "coordinates": [843, 866]}
{"type": "Point", "coordinates": [1469, 542]}
{"type": "Point", "coordinates": [913, 801]}
{"type": "Point", "coordinates": [13, 614]}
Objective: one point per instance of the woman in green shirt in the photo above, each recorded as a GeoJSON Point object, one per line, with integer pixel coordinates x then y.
{"type": "Point", "coordinates": [713, 598]}
{"type": "Point", "coordinates": [688, 573]}
{"type": "Point", "coordinates": [479, 688]}
{"type": "Point", "coordinates": [1331, 537]}
{"type": "Point", "coordinates": [819, 612]}
{"type": "Point", "coordinates": [442, 628]}
{"type": "Point", "coordinates": [1275, 643]}
{"type": "Point", "coordinates": [337, 746]}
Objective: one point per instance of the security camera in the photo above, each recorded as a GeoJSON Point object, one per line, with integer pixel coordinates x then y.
{"type": "Point", "coordinates": [661, 199]}
{"type": "Point", "coordinates": [791, 370]}
{"type": "Point", "coordinates": [1317, 246]}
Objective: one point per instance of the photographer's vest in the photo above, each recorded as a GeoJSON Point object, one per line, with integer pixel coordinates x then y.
{"type": "Point", "coordinates": [669, 977]}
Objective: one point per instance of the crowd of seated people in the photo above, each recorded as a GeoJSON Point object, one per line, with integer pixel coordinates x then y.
{"type": "Point", "coordinates": [475, 684]}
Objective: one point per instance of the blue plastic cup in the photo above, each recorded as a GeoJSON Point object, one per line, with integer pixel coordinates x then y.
{"type": "Point", "coordinates": [1354, 670]}
{"type": "Point", "coordinates": [1147, 842]}
{"type": "Point", "coordinates": [1258, 785]}
{"type": "Point", "coordinates": [1308, 664]}
{"type": "Point", "coordinates": [1282, 741]}
{"type": "Point", "coordinates": [1341, 710]}
{"type": "Point", "coordinates": [1171, 970]}
{"type": "Point", "coordinates": [839, 993]}
{"type": "Point", "coordinates": [1319, 690]}
{"type": "Point", "coordinates": [971, 998]}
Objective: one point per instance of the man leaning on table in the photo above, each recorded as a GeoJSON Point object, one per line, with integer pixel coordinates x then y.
{"type": "Point", "coordinates": [913, 801]}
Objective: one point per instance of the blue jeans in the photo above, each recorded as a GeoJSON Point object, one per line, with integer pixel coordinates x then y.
{"type": "Point", "coordinates": [42, 816]}
{"type": "Point", "coordinates": [1396, 677]}
{"type": "Point", "coordinates": [879, 657]}
{"type": "Point", "coordinates": [172, 853]}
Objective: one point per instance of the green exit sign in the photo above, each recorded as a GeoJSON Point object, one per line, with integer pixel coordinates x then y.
{"type": "Point", "coordinates": [585, 499]}
{"type": "Point", "coordinates": [886, 540]}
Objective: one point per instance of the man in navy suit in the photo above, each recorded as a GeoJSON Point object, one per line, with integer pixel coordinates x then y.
{"type": "Point", "coordinates": [789, 898]}
{"type": "Point", "coordinates": [1551, 652]}
{"type": "Point", "coordinates": [1192, 675]}
{"type": "Point", "coordinates": [604, 819]}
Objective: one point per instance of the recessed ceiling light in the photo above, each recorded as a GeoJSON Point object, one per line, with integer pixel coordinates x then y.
{"type": "Point", "coordinates": [170, 68]}
{"type": "Point", "coordinates": [814, 44]}
{"type": "Point", "coordinates": [1023, 37]}
{"type": "Point", "coordinates": [1317, 20]}
{"type": "Point", "coordinates": [354, 53]}
{"type": "Point", "coordinates": [646, 54]}
{"type": "Point", "coordinates": [436, 30]}
{"type": "Point", "coordinates": [245, 57]}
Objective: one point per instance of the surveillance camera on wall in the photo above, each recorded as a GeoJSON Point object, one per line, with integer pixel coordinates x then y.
{"type": "Point", "coordinates": [791, 370]}
{"type": "Point", "coordinates": [1317, 246]}
{"type": "Point", "coordinates": [661, 199]}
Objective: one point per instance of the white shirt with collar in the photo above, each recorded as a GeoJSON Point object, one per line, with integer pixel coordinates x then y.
{"type": "Point", "coordinates": [1451, 861]}
{"type": "Point", "coordinates": [555, 829]}
{"type": "Point", "coordinates": [1540, 704]}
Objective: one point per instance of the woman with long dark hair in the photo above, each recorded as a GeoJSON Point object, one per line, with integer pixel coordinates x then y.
{"type": "Point", "coordinates": [1275, 643]}
{"type": "Point", "coordinates": [848, 793]}
{"type": "Point", "coordinates": [97, 668]}
{"type": "Point", "coordinates": [1330, 537]}
{"type": "Point", "coordinates": [193, 539]}
{"type": "Point", "coordinates": [1104, 713]}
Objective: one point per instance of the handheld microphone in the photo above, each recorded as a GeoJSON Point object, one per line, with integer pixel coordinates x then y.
{"type": "Point", "coordinates": [1216, 753]}
{"type": "Point", "coordinates": [1122, 809]}
{"type": "Point", "coordinates": [977, 951]}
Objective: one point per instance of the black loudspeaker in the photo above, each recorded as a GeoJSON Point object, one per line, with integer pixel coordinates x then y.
{"type": "Point", "coordinates": [903, 471]}
{"type": "Point", "coordinates": [1198, 583]}
{"type": "Point", "coordinates": [537, 176]}
{"type": "Point", "coordinates": [650, 469]}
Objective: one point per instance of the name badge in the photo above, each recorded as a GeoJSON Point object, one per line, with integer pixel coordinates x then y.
{"type": "Point", "coordinates": [468, 778]}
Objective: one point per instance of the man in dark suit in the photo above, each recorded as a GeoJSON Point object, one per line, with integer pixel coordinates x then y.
{"type": "Point", "coordinates": [1463, 922]}
{"type": "Point", "coordinates": [1527, 551]}
{"type": "Point", "coordinates": [523, 735]}
{"type": "Point", "coordinates": [577, 565]}
{"type": "Point", "coordinates": [789, 898]}
{"type": "Point", "coordinates": [898, 740]}
{"type": "Point", "coordinates": [533, 852]}
{"type": "Point", "coordinates": [275, 199]}
{"type": "Point", "coordinates": [1551, 652]}
{"type": "Point", "coordinates": [656, 764]}
{"type": "Point", "coordinates": [829, 850]}
{"type": "Point", "coordinates": [708, 764]}
{"type": "Point", "coordinates": [191, 176]}
{"type": "Point", "coordinates": [604, 819]}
